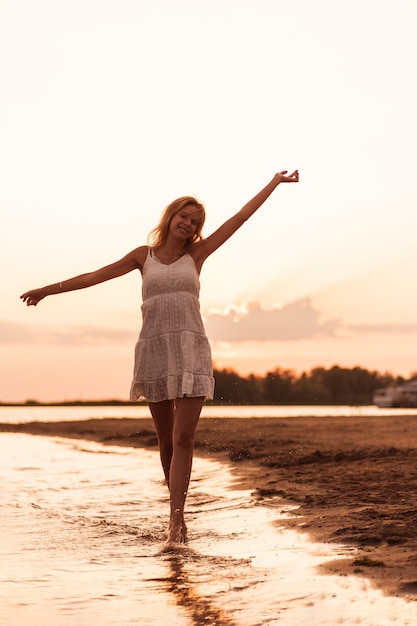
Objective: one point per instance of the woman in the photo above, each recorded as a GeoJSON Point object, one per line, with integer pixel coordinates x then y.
{"type": "Point", "coordinates": [173, 370]}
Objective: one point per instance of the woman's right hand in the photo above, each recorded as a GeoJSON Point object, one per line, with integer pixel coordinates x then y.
{"type": "Point", "coordinates": [33, 296]}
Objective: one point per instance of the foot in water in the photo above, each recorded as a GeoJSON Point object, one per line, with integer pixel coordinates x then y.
{"type": "Point", "coordinates": [177, 536]}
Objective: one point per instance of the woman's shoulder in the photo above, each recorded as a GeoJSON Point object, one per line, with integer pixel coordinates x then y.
{"type": "Point", "coordinates": [140, 255]}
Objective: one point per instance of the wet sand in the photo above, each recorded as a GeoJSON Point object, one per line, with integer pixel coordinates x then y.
{"type": "Point", "coordinates": [354, 479]}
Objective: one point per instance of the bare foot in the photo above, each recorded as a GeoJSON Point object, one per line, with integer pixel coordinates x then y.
{"type": "Point", "coordinates": [175, 536]}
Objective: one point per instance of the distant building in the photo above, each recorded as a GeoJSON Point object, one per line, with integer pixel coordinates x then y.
{"type": "Point", "coordinates": [401, 396]}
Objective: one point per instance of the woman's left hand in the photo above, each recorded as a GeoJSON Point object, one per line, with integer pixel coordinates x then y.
{"type": "Point", "coordinates": [282, 177]}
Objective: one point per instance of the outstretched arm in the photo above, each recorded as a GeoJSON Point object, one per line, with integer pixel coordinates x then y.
{"type": "Point", "coordinates": [133, 260]}
{"type": "Point", "coordinates": [222, 234]}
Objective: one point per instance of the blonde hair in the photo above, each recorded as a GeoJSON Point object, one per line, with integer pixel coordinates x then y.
{"type": "Point", "coordinates": [158, 235]}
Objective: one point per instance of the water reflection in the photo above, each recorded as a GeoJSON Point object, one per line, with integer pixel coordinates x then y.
{"type": "Point", "coordinates": [200, 608]}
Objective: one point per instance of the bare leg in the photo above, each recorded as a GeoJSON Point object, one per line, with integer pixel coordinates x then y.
{"type": "Point", "coordinates": [187, 414]}
{"type": "Point", "coordinates": [175, 426]}
{"type": "Point", "coordinates": [163, 417]}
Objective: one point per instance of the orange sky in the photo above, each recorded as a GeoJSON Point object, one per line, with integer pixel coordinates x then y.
{"type": "Point", "coordinates": [112, 110]}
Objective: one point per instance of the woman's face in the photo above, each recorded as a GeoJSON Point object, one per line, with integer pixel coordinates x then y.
{"type": "Point", "coordinates": [184, 224]}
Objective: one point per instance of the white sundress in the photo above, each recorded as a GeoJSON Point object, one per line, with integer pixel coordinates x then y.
{"type": "Point", "coordinates": [172, 354]}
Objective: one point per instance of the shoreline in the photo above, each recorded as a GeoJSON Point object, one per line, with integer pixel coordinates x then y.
{"type": "Point", "coordinates": [353, 479]}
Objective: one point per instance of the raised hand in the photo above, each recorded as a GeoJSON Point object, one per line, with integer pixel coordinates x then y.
{"type": "Point", "coordinates": [282, 177]}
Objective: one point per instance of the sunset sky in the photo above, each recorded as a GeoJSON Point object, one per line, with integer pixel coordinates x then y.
{"type": "Point", "coordinates": [111, 109]}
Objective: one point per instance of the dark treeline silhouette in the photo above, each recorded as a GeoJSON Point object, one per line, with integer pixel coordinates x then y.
{"type": "Point", "coordinates": [336, 385]}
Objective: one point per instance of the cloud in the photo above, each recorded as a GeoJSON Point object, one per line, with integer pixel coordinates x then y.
{"type": "Point", "coordinates": [13, 333]}
{"type": "Point", "coordinates": [81, 335]}
{"type": "Point", "coordinates": [297, 320]}
{"type": "Point", "coordinates": [294, 321]}
{"type": "Point", "coordinates": [383, 328]}
{"type": "Point", "coordinates": [10, 332]}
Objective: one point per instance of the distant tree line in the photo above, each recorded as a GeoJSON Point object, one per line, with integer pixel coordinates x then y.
{"type": "Point", "coordinates": [335, 385]}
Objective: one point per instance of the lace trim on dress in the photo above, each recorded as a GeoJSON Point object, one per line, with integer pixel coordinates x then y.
{"type": "Point", "coordinates": [171, 387]}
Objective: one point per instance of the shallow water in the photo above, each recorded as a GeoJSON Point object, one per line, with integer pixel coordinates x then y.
{"type": "Point", "coordinates": [82, 531]}
{"type": "Point", "coordinates": [17, 414]}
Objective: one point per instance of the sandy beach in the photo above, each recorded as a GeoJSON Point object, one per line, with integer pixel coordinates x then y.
{"type": "Point", "coordinates": [354, 479]}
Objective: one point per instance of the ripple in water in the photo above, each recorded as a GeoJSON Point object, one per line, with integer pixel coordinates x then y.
{"type": "Point", "coordinates": [82, 531]}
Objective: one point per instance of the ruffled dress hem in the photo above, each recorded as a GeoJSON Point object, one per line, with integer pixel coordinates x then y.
{"type": "Point", "coordinates": [171, 387]}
